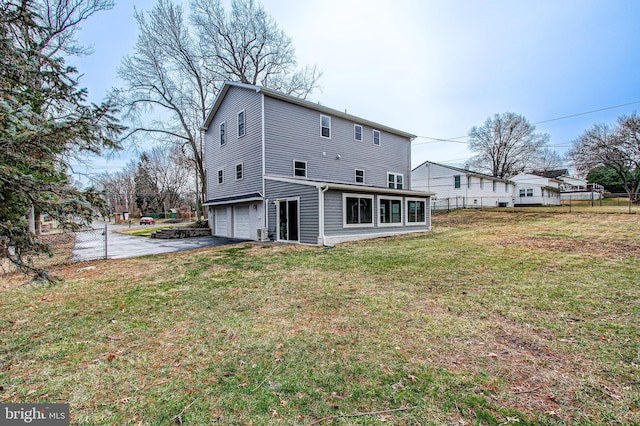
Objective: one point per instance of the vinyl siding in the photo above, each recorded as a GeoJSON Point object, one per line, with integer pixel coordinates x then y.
{"type": "Point", "coordinates": [293, 133]}
{"type": "Point", "coordinates": [334, 222]}
{"type": "Point", "coordinates": [440, 180]}
{"type": "Point", "coordinates": [308, 208]}
{"type": "Point", "coordinates": [246, 149]}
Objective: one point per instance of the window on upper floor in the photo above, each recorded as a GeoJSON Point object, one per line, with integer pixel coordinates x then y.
{"type": "Point", "coordinates": [456, 181]}
{"type": "Point", "coordinates": [376, 137]}
{"type": "Point", "coordinates": [223, 133]}
{"type": "Point", "coordinates": [325, 126]}
{"type": "Point", "coordinates": [300, 168]}
{"type": "Point", "coordinates": [395, 180]}
{"type": "Point", "coordinates": [239, 171]}
{"type": "Point", "coordinates": [390, 210]}
{"type": "Point", "coordinates": [241, 124]}
{"type": "Point", "coordinates": [221, 176]}
{"type": "Point", "coordinates": [357, 132]}
{"type": "Point", "coordinates": [358, 210]}
{"type": "Point", "coordinates": [359, 176]}
{"type": "Point", "coordinates": [416, 211]}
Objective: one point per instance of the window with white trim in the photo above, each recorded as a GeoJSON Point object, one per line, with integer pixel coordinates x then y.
{"type": "Point", "coordinates": [239, 171]}
{"type": "Point", "coordinates": [358, 210]}
{"type": "Point", "coordinates": [506, 187]}
{"type": "Point", "coordinates": [325, 126]}
{"type": "Point", "coordinates": [456, 182]}
{"type": "Point", "coordinates": [357, 132]}
{"type": "Point", "coordinates": [221, 176]}
{"type": "Point", "coordinates": [376, 137]}
{"type": "Point", "coordinates": [523, 193]}
{"type": "Point", "coordinates": [300, 168]}
{"type": "Point", "coordinates": [359, 176]}
{"type": "Point", "coordinates": [389, 211]}
{"type": "Point", "coordinates": [395, 180]}
{"type": "Point", "coordinates": [495, 186]}
{"type": "Point", "coordinates": [481, 183]}
{"type": "Point", "coordinates": [223, 133]}
{"type": "Point", "coordinates": [416, 211]}
{"type": "Point", "coordinates": [530, 192]}
{"type": "Point", "coordinates": [468, 181]}
{"type": "Point", "coordinates": [241, 124]}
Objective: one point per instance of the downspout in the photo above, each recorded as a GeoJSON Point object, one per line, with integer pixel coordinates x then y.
{"type": "Point", "coordinates": [321, 192]}
{"type": "Point", "coordinates": [265, 204]}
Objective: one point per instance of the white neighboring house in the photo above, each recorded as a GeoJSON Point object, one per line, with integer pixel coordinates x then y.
{"type": "Point", "coordinates": [573, 188]}
{"type": "Point", "coordinates": [579, 189]}
{"type": "Point", "coordinates": [460, 188]}
{"type": "Point", "coordinates": [535, 190]}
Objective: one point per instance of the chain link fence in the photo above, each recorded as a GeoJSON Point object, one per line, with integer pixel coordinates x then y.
{"type": "Point", "coordinates": [90, 244]}
{"type": "Point", "coordinates": [455, 203]}
{"type": "Point", "coordinates": [613, 203]}
{"type": "Point", "coordinates": [608, 203]}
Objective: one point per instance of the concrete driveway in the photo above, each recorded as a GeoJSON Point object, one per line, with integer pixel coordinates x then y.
{"type": "Point", "coordinates": [90, 245]}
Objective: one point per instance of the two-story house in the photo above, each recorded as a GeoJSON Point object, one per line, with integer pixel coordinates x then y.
{"type": "Point", "coordinates": [286, 169]}
{"type": "Point", "coordinates": [460, 188]}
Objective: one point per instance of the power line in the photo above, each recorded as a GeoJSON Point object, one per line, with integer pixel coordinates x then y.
{"type": "Point", "coordinates": [588, 112]}
{"type": "Point", "coordinates": [453, 140]}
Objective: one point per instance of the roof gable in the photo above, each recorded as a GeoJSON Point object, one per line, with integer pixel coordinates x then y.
{"type": "Point", "coordinates": [301, 102]}
{"type": "Point", "coordinates": [465, 171]}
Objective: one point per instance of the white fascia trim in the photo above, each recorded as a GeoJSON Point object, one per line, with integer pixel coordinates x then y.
{"type": "Point", "coordinates": [352, 188]}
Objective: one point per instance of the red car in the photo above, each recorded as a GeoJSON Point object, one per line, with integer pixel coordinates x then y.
{"type": "Point", "coordinates": [147, 221]}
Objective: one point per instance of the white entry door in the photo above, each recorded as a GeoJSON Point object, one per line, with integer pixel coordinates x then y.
{"type": "Point", "coordinates": [222, 222]}
{"type": "Point", "coordinates": [241, 222]}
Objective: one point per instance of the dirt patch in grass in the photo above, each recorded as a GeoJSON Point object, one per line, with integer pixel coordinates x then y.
{"type": "Point", "coordinates": [590, 247]}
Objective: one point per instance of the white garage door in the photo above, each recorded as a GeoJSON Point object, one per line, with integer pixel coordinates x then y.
{"type": "Point", "coordinates": [241, 222]}
{"type": "Point", "coordinates": [222, 223]}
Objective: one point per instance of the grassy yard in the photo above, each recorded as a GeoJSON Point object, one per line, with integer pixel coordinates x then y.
{"type": "Point", "coordinates": [495, 317]}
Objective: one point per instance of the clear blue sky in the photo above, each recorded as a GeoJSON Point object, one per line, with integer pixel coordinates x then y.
{"type": "Point", "coordinates": [437, 68]}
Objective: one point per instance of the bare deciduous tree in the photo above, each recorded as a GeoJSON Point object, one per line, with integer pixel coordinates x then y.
{"type": "Point", "coordinates": [548, 160]}
{"type": "Point", "coordinates": [177, 69]}
{"type": "Point", "coordinates": [167, 182]}
{"type": "Point", "coordinates": [616, 147]}
{"type": "Point", "coordinates": [507, 144]}
{"type": "Point", "coordinates": [248, 47]}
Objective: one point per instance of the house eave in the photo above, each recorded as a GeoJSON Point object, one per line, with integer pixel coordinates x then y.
{"type": "Point", "coordinates": [301, 102]}
{"type": "Point", "coordinates": [352, 187]}
{"type": "Point", "coordinates": [465, 171]}
{"type": "Point", "coordinates": [245, 198]}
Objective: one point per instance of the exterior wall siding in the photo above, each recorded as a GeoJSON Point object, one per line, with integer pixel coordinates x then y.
{"type": "Point", "coordinates": [246, 149]}
{"type": "Point", "coordinates": [542, 194]}
{"type": "Point", "coordinates": [308, 209]}
{"type": "Point", "coordinates": [334, 218]}
{"type": "Point", "coordinates": [293, 133]}
{"type": "Point", "coordinates": [440, 179]}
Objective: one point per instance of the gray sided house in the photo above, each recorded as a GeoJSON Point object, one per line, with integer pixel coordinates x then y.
{"type": "Point", "coordinates": [284, 169]}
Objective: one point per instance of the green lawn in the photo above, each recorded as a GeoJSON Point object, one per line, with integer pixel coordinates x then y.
{"type": "Point", "coordinates": [495, 317]}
